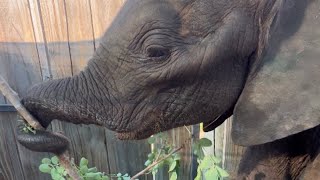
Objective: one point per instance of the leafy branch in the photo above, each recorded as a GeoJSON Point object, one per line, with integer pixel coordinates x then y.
{"type": "Point", "coordinates": [157, 163]}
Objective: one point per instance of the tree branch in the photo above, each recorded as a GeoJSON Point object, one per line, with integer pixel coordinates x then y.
{"type": "Point", "coordinates": [156, 162]}
{"type": "Point", "coordinates": [13, 97]}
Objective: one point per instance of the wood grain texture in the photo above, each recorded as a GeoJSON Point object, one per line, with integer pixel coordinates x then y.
{"type": "Point", "coordinates": [10, 161]}
{"type": "Point", "coordinates": [224, 148]}
{"type": "Point", "coordinates": [103, 13]}
{"type": "Point", "coordinates": [53, 20]}
{"type": "Point", "coordinates": [78, 14]}
{"type": "Point", "coordinates": [188, 165]}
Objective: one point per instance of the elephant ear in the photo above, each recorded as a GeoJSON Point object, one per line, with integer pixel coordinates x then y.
{"type": "Point", "coordinates": [282, 97]}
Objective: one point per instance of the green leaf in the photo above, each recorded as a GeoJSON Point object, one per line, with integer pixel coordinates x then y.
{"type": "Point", "coordinates": [172, 166]}
{"type": "Point", "coordinates": [54, 174]}
{"type": "Point", "coordinates": [119, 175]}
{"type": "Point", "coordinates": [105, 178]}
{"type": "Point", "coordinates": [174, 176]}
{"type": "Point", "coordinates": [147, 163]}
{"type": "Point", "coordinates": [177, 157]}
{"type": "Point", "coordinates": [169, 161]}
{"type": "Point", "coordinates": [154, 171]}
{"type": "Point", "coordinates": [45, 168]}
{"type": "Point", "coordinates": [222, 172]}
{"type": "Point", "coordinates": [46, 161]}
{"type": "Point", "coordinates": [215, 159]}
{"type": "Point", "coordinates": [83, 169]}
{"type": "Point", "coordinates": [200, 154]}
{"type": "Point", "coordinates": [55, 160]}
{"type": "Point", "coordinates": [65, 173]}
{"type": "Point", "coordinates": [199, 174]}
{"type": "Point", "coordinates": [126, 177]}
{"type": "Point", "coordinates": [151, 156]}
{"type": "Point", "coordinates": [151, 140]}
{"type": "Point", "coordinates": [160, 165]}
{"type": "Point", "coordinates": [92, 175]}
{"type": "Point", "coordinates": [84, 162]}
{"type": "Point", "coordinates": [30, 129]}
{"type": "Point", "coordinates": [60, 170]}
{"type": "Point", "coordinates": [206, 163]}
{"type": "Point", "coordinates": [204, 142]}
{"type": "Point", "coordinates": [211, 174]}
{"type": "Point", "coordinates": [93, 170]}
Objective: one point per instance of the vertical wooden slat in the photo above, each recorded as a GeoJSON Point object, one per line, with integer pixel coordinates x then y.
{"type": "Point", "coordinates": [54, 26]}
{"type": "Point", "coordinates": [224, 148]}
{"type": "Point", "coordinates": [79, 22]}
{"type": "Point", "coordinates": [181, 136]}
{"type": "Point", "coordinates": [232, 152]}
{"type": "Point", "coordinates": [103, 13]}
{"type": "Point", "coordinates": [40, 39]}
{"type": "Point", "coordinates": [10, 163]}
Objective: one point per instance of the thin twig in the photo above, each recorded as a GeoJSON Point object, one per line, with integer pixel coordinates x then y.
{"type": "Point", "coordinates": [13, 97]}
{"type": "Point", "coordinates": [156, 162]}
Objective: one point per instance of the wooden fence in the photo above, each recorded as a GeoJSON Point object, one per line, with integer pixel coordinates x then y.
{"type": "Point", "coordinates": [43, 39]}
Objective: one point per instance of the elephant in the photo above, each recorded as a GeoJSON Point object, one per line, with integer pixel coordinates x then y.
{"type": "Point", "coordinates": [163, 64]}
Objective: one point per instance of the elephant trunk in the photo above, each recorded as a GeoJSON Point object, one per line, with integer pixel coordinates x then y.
{"type": "Point", "coordinates": [82, 99]}
{"type": "Point", "coordinates": [79, 99]}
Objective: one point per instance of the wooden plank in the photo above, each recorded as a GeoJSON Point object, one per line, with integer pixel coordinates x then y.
{"type": "Point", "coordinates": [79, 22]}
{"type": "Point", "coordinates": [10, 162]}
{"type": "Point", "coordinates": [225, 149]}
{"type": "Point", "coordinates": [188, 165]}
{"type": "Point", "coordinates": [40, 40]}
{"type": "Point", "coordinates": [54, 26]}
{"type": "Point", "coordinates": [103, 13]}
{"type": "Point", "coordinates": [126, 156]}
{"type": "Point", "coordinates": [179, 137]}
{"type": "Point", "coordinates": [232, 153]}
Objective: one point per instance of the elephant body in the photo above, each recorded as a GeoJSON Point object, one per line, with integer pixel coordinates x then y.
{"type": "Point", "coordinates": [168, 63]}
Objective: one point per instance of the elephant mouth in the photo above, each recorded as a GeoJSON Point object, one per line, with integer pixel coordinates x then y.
{"type": "Point", "coordinates": [135, 135]}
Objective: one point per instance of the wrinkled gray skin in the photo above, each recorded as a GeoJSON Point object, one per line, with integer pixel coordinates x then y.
{"type": "Point", "coordinates": [168, 63]}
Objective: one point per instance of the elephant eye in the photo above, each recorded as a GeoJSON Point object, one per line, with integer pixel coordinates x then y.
{"type": "Point", "coordinates": [157, 52]}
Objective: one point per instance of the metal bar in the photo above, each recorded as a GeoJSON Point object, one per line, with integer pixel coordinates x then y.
{"type": "Point", "coordinates": [7, 108]}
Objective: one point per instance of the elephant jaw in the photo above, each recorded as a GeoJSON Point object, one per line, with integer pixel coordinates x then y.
{"type": "Point", "coordinates": [151, 124]}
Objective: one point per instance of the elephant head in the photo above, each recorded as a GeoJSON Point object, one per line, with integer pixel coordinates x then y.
{"type": "Point", "coordinates": [169, 63]}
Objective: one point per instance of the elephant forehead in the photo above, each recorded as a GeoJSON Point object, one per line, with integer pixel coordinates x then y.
{"type": "Point", "coordinates": [284, 96]}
